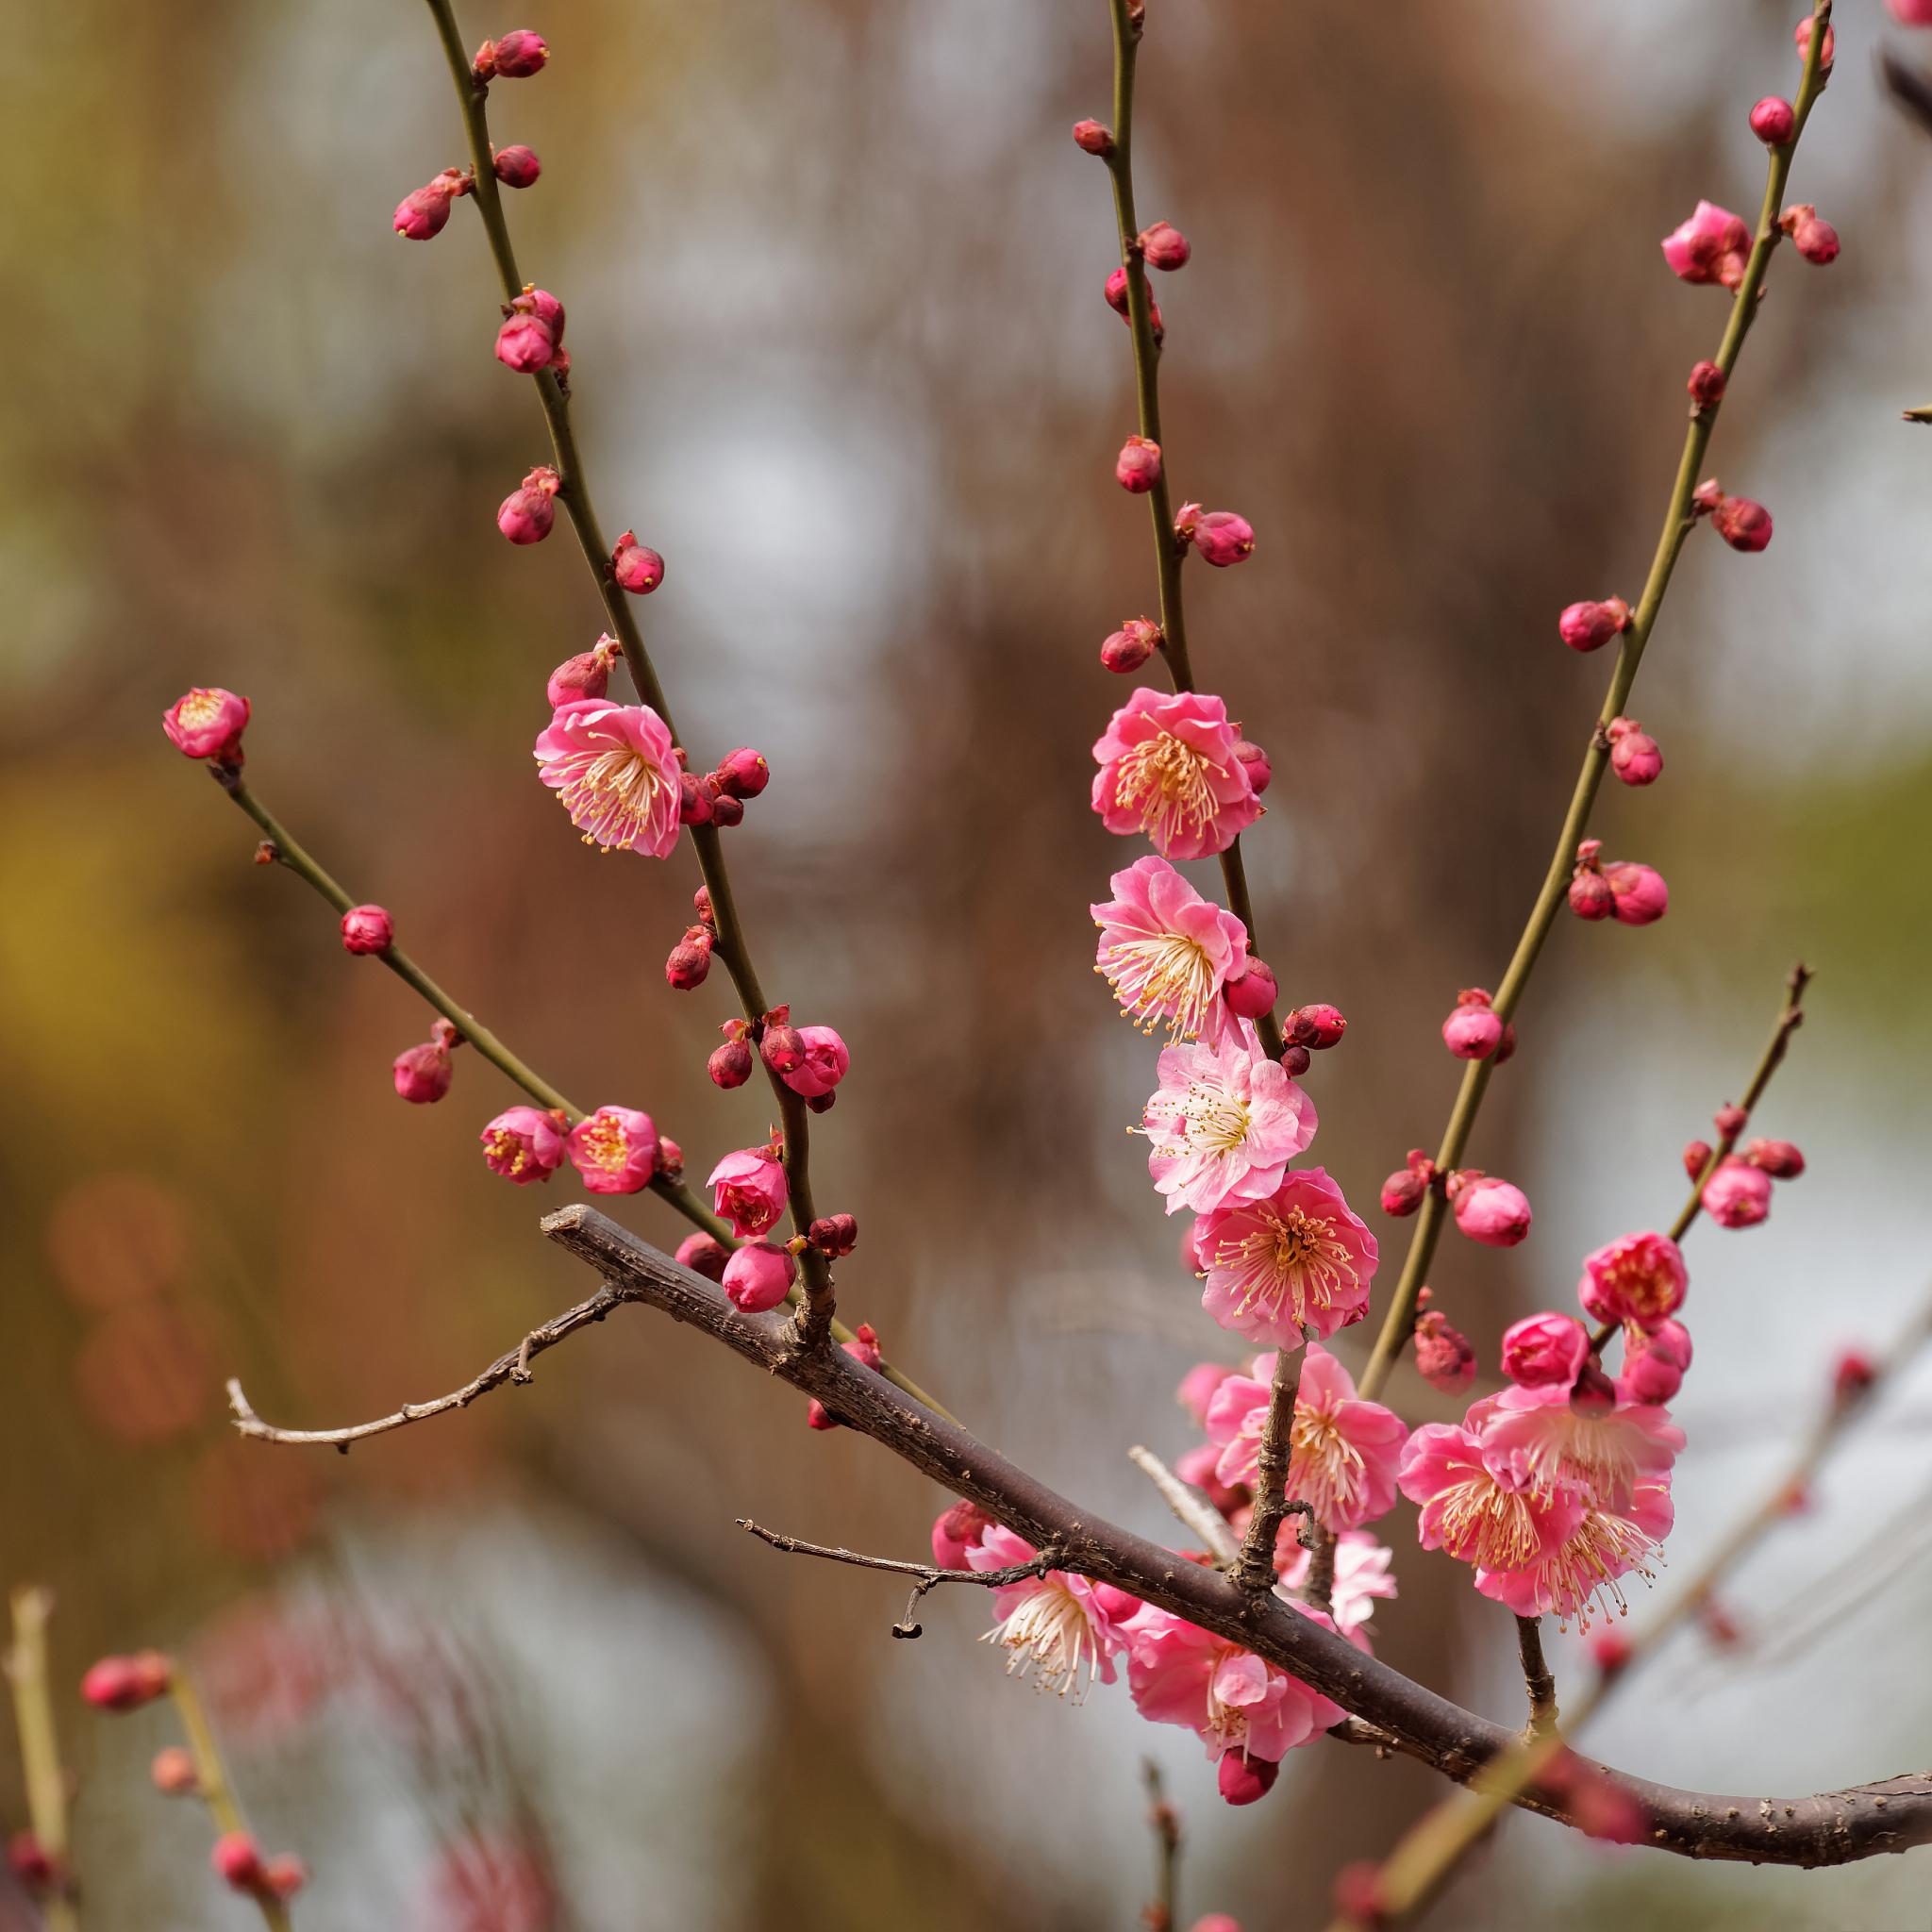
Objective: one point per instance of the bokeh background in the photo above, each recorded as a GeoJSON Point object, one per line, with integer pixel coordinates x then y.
{"type": "Point", "coordinates": [834, 276]}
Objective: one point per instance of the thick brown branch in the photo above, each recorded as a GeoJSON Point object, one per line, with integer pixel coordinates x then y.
{"type": "Point", "coordinates": [1831, 1828]}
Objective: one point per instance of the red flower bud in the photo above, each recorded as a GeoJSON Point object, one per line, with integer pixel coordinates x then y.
{"type": "Point", "coordinates": [517, 167]}
{"type": "Point", "coordinates": [729, 1065]}
{"type": "Point", "coordinates": [1295, 1060]}
{"type": "Point", "coordinates": [783, 1048]}
{"type": "Point", "coordinates": [1772, 120]}
{"type": "Point", "coordinates": [1729, 1120]}
{"type": "Point", "coordinates": [1696, 1157]}
{"type": "Point", "coordinates": [1254, 992]}
{"type": "Point", "coordinates": [703, 1254]}
{"type": "Point", "coordinates": [237, 1858]}
{"type": "Point", "coordinates": [1128, 648]}
{"type": "Point", "coordinates": [743, 774]}
{"type": "Point", "coordinates": [518, 54]}
{"type": "Point", "coordinates": [1137, 470]}
{"type": "Point", "coordinates": [833, 1234]}
{"type": "Point", "coordinates": [1588, 627]}
{"type": "Point", "coordinates": [636, 567]}
{"type": "Point", "coordinates": [1707, 384]}
{"type": "Point", "coordinates": [172, 1771]}
{"type": "Point", "coordinates": [1318, 1025]}
{"type": "Point", "coordinates": [1164, 246]}
{"type": "Point", "coordinates": [1093, 137]}
{"type": "Point", "coordinates": [696, 801]}
{"type": "Point", "coordinates": [1243, 1780]}
{"type": "Point", "coordinates": [689, 959]}
{"type": "Point", "coordinates": [1780, 1159]}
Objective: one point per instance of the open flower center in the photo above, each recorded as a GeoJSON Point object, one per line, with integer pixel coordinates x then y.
{"type": "Point", "coordinates": [1049, 1636]}
{"type": "Point", "coordinates": [1325, 1470]}
{"type": "Point", "coordinates": [603, 1142]}
{"type": "Point", "coordinates": [1161, 976]}
{"type": "Point", "coordinates": [200, 707]}
{"type": "Point", "coordinates": [508, 1153]}
{"type": "Point", "coordinates": [1586, 1569]}
{"type": "Point", "coordinates": [1484, 1523]}
{"type": "Point", "coordinates": [1214, 1118]}
{"type": "Point", "coordinates": [611, 795]}
{"type": "Point", "coordinates": [1168, 784]}
{"type": "Point", "coordinates": [1288, 1260]}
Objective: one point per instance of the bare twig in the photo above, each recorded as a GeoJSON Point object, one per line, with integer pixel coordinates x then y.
{"type": "Point", "coordinates": [39, 1751]}
{"type": "Point", "coordinates": [212, 1784]}
{"type": "Point", "coordinates": [1190, 1505]}
{"type": "Point", "coordinates": [1537, 1679]}
{"type": "Point", "coordinates": [1834, 1827]}
{"type": "Point", "coordinates": [1163, 1908]}
{"type": "Point", "coordinates": [1270, 1471]}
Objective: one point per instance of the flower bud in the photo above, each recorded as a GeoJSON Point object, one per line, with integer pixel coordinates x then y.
{"type": "Point", "coordinates": [1772, 120]}
{"type": "Point", "coordinates": [728, 811]}
{"type": "Point", "coordinates": [1164, 246]}
{"type": "Point", "coordinates": [1588, 627]}
{"type": "Point", "coordinates": [1729, 1120]}
{"type": "Point", "coordinates": [1255, 761]}
{"type": "Point", "coordinates": [126, 1683]}
{"type": "Point", "coordinates": [31, 1863]}
{"type": "Point", "coordinates": [1634, 756]}
{"type": "Point", "coordinates": [1610, 1649]}
{"type": "Point", "coordinates": [1851, 1375]}
{"type": "Point", "coordinates": [670, 1164]}
{"type": "Point", "coordinates": [526, 344]}
{"type": "Point", "coordinates": [955, 1531]}
{"type": "Point", "coordinates": [729, 1065]}
{"type": "Point", "coordinates": [701, 904]}
{"type": "Point", "coordinates": [1641, 895]}
{"type": "Point", "coordinates": [424, 213]}
{"type": "Point", "coordinates": [1545, 1351]}
{"type": "Point", "coordinates": [1137, 470]}
{"type": "Point", "coordinates": [703, 1254]}
{"type": "Point", "coordinates": [1737, 1195]}
{"type": "Point", "coordinates": [585, 675]}
{"type": "Point", "coordinates": [237, 1858]}
{"type": "Point", "coordinates": [1295, 1060]}
{"type": "Point", "coordinates": [743, 774]}
{"type": "Point", "coordinates": [1595, 1394]}
{"type": "Point", "coordinates": [689, 959]}
{"type": "Point", "coordinates": [519, 54]}
{"type": "Point", "coordinates": [1743, 524]}
{"type": "Point", "coordinates": [1590, 896]}
{"type": "Point", "coordinates": [782, 1047]}
{"type": "Point", "coordinates": [1696, 1157]}
{"type": "Point", "coordinates": [1222, 537]}
{"type": "Point", "coordinates": [1711, 245]}
{"type": "Point", "coordinates": [833, 1234]}
{"type": "Point", "coordinates": [1403, 1193]}
{"type": "Point", "coordinates": [1780, 1159]}
{"type": "Point", "coordinates": [1254, 993]}
{"type": "Point", "coordinates": [423, 1072]}
{"type": "Point", "coordinates": [696, 800]}
{"type": "Point", "coordinates": [527, 514]}
{"type": "Point", "coordinates": [517, 167]}
{"type": "Point", "coordinates": [367, 929]}
{"type": "Point", "coordinates": [636, 567]}
{"type": "Point", "coordinates": [1707, 384]}
{"type": "Point", "coordinates": [1128, 648]}
{"type": "Point", "coordinates": [1117, 292]}
{"type": "Point", "coordinates": [1491, 1212]}
{"type": "Point", "coordinates": [173, 1771]}
{"type": "Point", "coordinates": [1472, 1032]}
{"type": "Point", "coordinates": [207, 723]}
{"type": "Point", "coordinates": [827, 1060]}
{"type": "Point", "coordinates": [1242, 1779]}
{"type": "Point", "coordinates": [1443, 1357]}
{"type": "Point", "coordinates": [1093, 137]}
{"type": "Point", "coordinates": [1801, 36]}
{"type": "Point", "coordinates": [1654, 1362]}
{"type": "Point", "coordinates": [758, 1276]}
{"type": "Point", "coordinates": [1318, 1025]}
{"type": "Point", "coordinates": [1813, 237]}
{"type": "Point", "coordinates": [285, 1875]}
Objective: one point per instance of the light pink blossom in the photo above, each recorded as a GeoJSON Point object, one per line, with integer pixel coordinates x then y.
{"type": "Point", "coordinates": [524, 1145]}
{"type": "Point", "coordinates": [1476, 1512]}
{"type": "Point", "coordinates": [615, 1149]}
{"type": "Point", "coordinates": [616, 773]}
{"type": "Point", "coordinates": [749, 1189]}
{"type": "Point", "coordinates": [1167, 952]}
{"type": "Point", "coordinates": [1232, 1700]}
{"type": "Point", "coordinates": [1539, 1436]}
{"type": "Point", "coordinates": [1578, 1577]}
{"type": "Point", "coordinates": [1362, 1577]}
{"type": "Point", "coordinates": [1168, 769]}
{"type": "Point", "coordinates": [826, 1058]}
{"type": "Point", "coordinates": [1298, 1259]}
{"type": "Point", "coordinates": [1637, 1277]}
{"type": "Point", "coordinates": [1061, 1630]}
{"type": "Point", "coordinates": [1343, 1451]}
{"type": "Point", "coordinates": [1709, 245]}
{"type": "Point", "coordinates": [1225, 1124]}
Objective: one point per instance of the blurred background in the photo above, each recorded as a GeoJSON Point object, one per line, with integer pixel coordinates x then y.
{"type": "Point", "coordinates": [834, 273]}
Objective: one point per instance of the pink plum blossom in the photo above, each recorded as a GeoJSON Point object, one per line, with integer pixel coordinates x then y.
{"type": "Point", "coordinates": [1637, 1277]}
{"type": "Point", "coordinates": [615, 1149]}
{"type": "Point", "coordinates": [1491, 1212]}
{"type": "Point", "coordinates": [1198, 1385]}
{"type": "Point", "coordinates": [1576, 1576]}
{"type": "Point", "coordinates": [1709, 245]}
{"type": "Point", "coordinates": [1232, 1700]}
{"type": "Point", "coordinates": [1362, 1577]}
{"type": "Point", "coordinates": [1539, 1438]}
{"type": "Point", "coordinates": [1545, 1350]}
{"type": "Point", "coordinates": [1061, 1630]}
{"type": "Point", "coordinates": [1344, 1450]}
{"type": "Point", "coordinates": [1168, 953]}
{"type": "Point", "coordinates": [615, 771]}
{"type": "Point", "coordinates": [1737, 1195]}
{"type": "Point", "coordinates": [759, 1276]}
{"type": "Point", "coordinates": [1653, 1363]}
{"type": "Point", "coordinates": [1225, 1124]}
{"type": "Point", "coordinates": [1478, 1513]}
{"type": "Point", "coordinates": [1297, 1259]}
{"type": "Point", "coordinates": [954, 1531]}
{"type": "Point", "coordinates": [826, 1058]}
{"type": "Point", "coordinates": [524, 1145]}
{"type": "Point", "coordinates": [423, 1072]}
{"type": "Point", "coordinates": [1168, 769]}
{"type": "Point", "coordinates": [207, 723]}
{"type": "Point", "coordinates": [749, 1189]}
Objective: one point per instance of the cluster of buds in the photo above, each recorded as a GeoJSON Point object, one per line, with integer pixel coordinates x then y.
{"type": "Point", "coordinates": [1813, 237]}
{"type": "Point", "coordinates": [833, 1234]}
{"type": "Point", "coordinates": [1633, 754]}
{"type": "Point", "coordinates": [1491, 1211]}
{"type": "Point", "coordinates": [531, 338]}
{"type": "Point", "coordinates": [238, 1859]}
{"type": "Point", "coordinates": [514, 56]}
{"type": "Point", "coordinates": [1589, 626]}
{"type": "Point", "coordinates": [864, 1349]}
{"type": "Point", "coordinates": [691, 957]}
{"type": "Point", "coordinates": [1220, 537]}
{"type": "Point", "coordinates": [1309, 1029]}
{"type": "Point", "coordinates": [1129, 647]}
{"type": "Point", "coordinates": [1711, 245]}
{"type": "Point", "coordinates": [1737, 1195]}
{"type": "Point", "coordinates": [423, 1072]}
{"type": "Point", "coordinates": [1117, 300]}
{"type": "Point", "coordinates": [1631, 894]}
{"type": "Point", "coordinates": [718, 797]}
{"type": "Point", "coordinates": [208, 723]}
{"type": "Point", "coordinates": [528, 513]}
{"type": "Point", "coordinates": [585, 675]}
{"type": "Point", "coordinates": [423, 213]}
{"type": "Point", "coordinates": [1474, 1032]}
{"type": "Point", "coordinates": [811, 1060]}
{"type": "Point", "coordinates": [1443, 1356]}
{"type": "Point", "coordinates": [1742, 523]}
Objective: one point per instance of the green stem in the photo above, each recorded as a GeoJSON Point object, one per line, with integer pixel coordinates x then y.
{"type": "Point", "coordinates": [1678, 523]}
{"type": "Point", "coordinates": [39, 1751]}
{"type": "Point", "coordinates": [211, 1776]}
